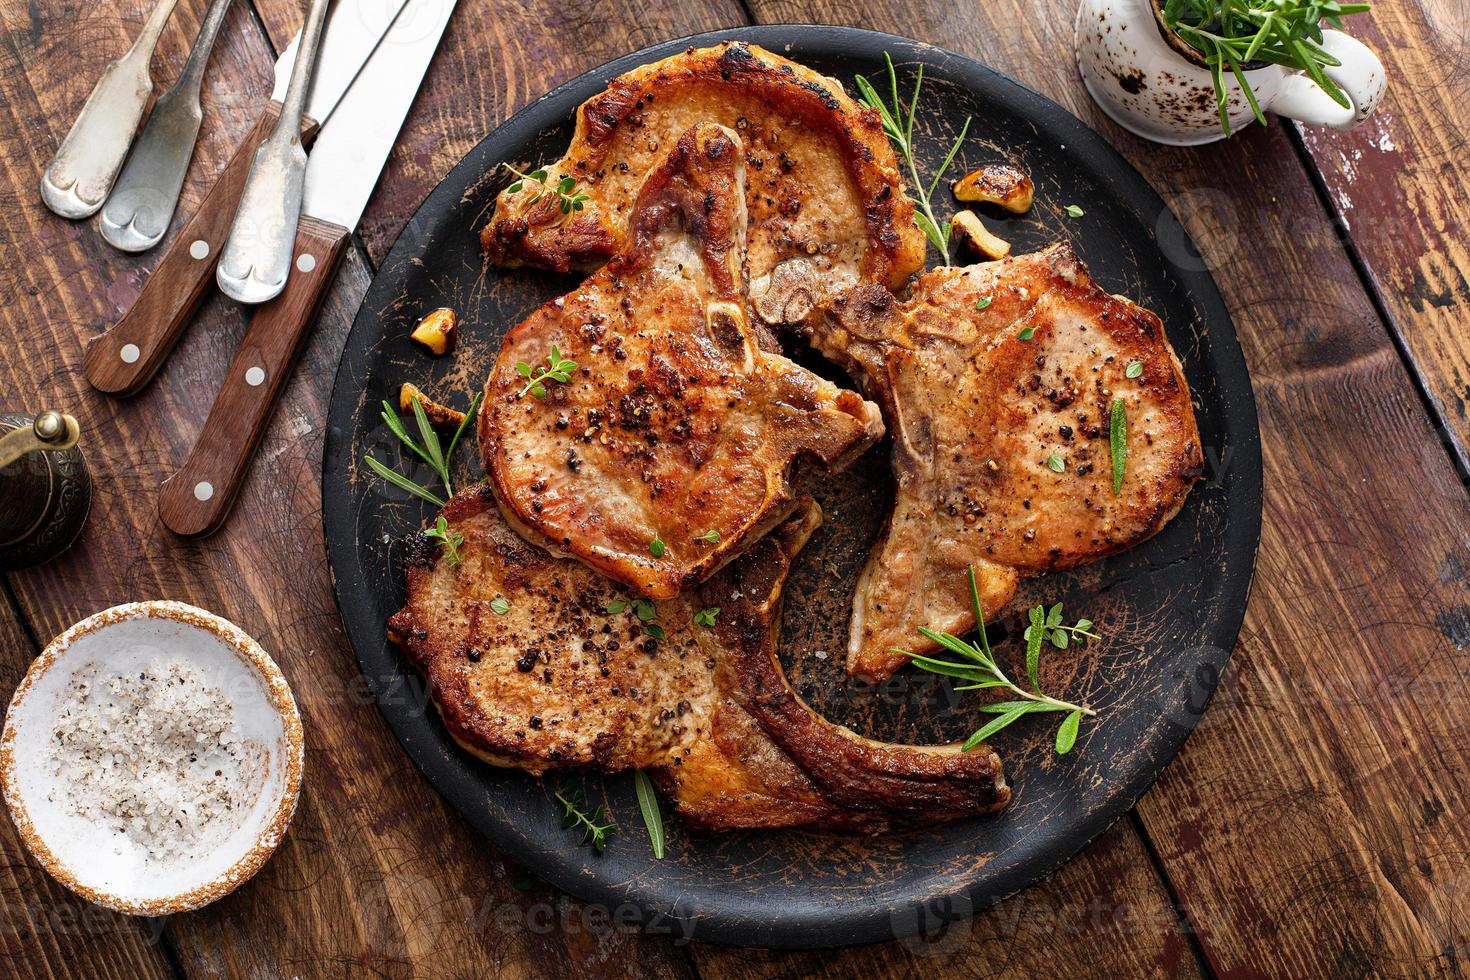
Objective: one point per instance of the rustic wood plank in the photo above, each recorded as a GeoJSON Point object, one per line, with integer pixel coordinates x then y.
{"type": "Point", "coordinates": [45, 930]}
{"type": "Point", "coordinates": [1400, 182]}
{"type": "Point", "coordinates": [1302, 825]}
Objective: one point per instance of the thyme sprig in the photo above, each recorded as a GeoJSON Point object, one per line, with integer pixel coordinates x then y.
{"type": "Point", "coordinates": [575, 814]}
{"type": "Point", "coordinates": [568, 197]}
{"type": "Point", "coordinates": [448, 537]}
{"type": "Point", "coordinates": [1233, 33]}
{"type": "Point", "coordinates": [558, 369]}
{"type": "Point", "coordinates": [899, 128]}
{"type": "Point", "coordinates": [978, 665]}
{"type": "Point", "coordinates": [428, 448]}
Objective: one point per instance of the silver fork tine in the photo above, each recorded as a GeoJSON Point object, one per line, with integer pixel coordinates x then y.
{"type": "Point", "coordinates": [142, 202]}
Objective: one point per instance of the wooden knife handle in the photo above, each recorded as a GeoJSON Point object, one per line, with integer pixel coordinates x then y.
{"type": "Point", "coordinates": [122, 360]}
{"type": "Point", "coordinates": [197, 499]}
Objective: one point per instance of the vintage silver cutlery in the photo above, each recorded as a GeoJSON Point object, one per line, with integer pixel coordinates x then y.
{"type": "Point", "coordinates": [346, 162]}
{"type": "Point", "coordinates": [121, 360]}
{"type": "Point", "coordinates": [257, 256]}
{"type": "Point", "coordinates": [80, 175]}
{"type": "Point", "coordinates": [142, 201]}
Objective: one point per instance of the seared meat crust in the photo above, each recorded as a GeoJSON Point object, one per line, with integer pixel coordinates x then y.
{"type": "Point", "coordinates": [825, 199]}
{"type": "Point", "coordinates": [676, 427]}
{"type": "Point", "coordinates": [977, 414]}
{"type": "Point", "coordinates": [558, 681]}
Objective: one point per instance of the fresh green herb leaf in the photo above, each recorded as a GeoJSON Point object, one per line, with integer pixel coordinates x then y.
{"type": "Point", "coordinates": [429, 451]}
{"type": "Point", "coordinates": [980, 667]}
{"type": "Point", "coordinates": [568, 198]}
{"type": "Point", "coordinates": [983, 302]}
{"type": "Point", "coordinates": [1027, 333]}
{"type": "Point", "coordinates": [1073, 211]}
{"type": "Point", "coordinates": [654, 630]}
{"type": "Point", "coordinates": [450, 539]}
{"type": "Point", "coordinates": [653, 819]}
{"type": "Point", "coordinates": [500, 605]}
{"type": "Point", "coordinates": [1118, 443]}
{"type": "Point", "coordinates": [1055, 464]}
{"type": "Point", "coordinates": [900, 130]}
{"type": "Point", "coordinates": [615, 607]}
{"type": "Point", "coordinates": [645, 610]}
{"type": "Point", "coordinates": [1232, 35]}
{"type": "Point", "coordinates": [706, 617]}
{"type": "Point", "coordinates": [1067, 732]}
{"type": "Point", "coordinates": [1134, 369]}
{"type": "Point", "coordinates": [574, 807]}
{"type": "Point", "coordinates": [709, 537]}
{"type": "Point", "coordinates": [656, 547]}
{"type": "Point", "coordinates": [558, 369]}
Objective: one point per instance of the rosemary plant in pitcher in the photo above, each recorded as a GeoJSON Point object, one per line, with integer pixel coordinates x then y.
{"type": "Point", "coordinates": [1234, 35]}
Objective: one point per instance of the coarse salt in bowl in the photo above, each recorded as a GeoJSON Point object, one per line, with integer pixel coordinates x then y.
{"type": "Point", "coordinates": [152, 757]}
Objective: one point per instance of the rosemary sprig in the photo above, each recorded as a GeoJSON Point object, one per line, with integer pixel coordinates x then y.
{"type": "Point", "coordinates": [899, 127]}
{"type": "Point", "coordinates": [978, 665]}
{"type": "Point", "coordinates": [1118, 443]}
{"type": "Point", "coordinates": [574, 804]}
{"type": "Point", "coordinates": [428, 448]}
{"type": "Point", "coordinates": [558, 369]}
{"type": "Point", "coordinates": [568, 197]}
{"type": "Point", "coordinates": [1233, 33]}
{"type": "Point", "coordinates": [450, 539]}
{"type": "Point", "coordinates": [653, 819]}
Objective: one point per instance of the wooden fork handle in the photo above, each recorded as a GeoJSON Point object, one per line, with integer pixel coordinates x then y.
{"type": "Point", "coordinates": [123, 360]}
{"type": "Point", "coordinates": [197, 499]}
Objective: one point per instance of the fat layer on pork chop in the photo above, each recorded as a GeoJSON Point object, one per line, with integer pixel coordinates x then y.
{"type": "Point", "coordinates": [536, 662]}
{"type": "Point", "coordinates": [998, 382]}
{"type": "Point", "coordinates": [667, 450]}
{"type": "Point", "coordinates": [825, 199]}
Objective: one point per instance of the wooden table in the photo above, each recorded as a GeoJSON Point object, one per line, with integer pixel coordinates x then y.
{"type": "Point", "coordinates": [1316, 823]}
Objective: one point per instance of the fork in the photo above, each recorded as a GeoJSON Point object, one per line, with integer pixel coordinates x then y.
{"type": "Point", "coordinates": [142, 202]}
{"type": "Point", "coordinates": [81, 174]}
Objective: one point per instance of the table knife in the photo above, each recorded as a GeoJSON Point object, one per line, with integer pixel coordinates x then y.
{"type": "Point", "coordinates": [344, 167]}
{"type": "Point", "coordinates": [123, 359]}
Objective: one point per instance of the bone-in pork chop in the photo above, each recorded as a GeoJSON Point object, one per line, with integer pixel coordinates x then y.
{"type": "Point", "coordinates": [667, 450]}
{"type": "Point", "coordinates": [554, 679]}
{"type": "Point", "coordinates": [825, 199]}
{"type": "Point", "coordinates": [998, 383]}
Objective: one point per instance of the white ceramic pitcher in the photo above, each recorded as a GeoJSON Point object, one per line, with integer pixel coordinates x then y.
{"type": "Point", "coordinates": [1153, 84]}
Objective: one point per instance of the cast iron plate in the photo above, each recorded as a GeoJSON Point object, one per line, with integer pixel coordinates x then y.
{"type": "Point", "coordinates": [1169, 610]}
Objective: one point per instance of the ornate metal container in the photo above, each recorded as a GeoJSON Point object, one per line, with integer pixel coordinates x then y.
{"type": "Point", "coordinates": [45, 490]}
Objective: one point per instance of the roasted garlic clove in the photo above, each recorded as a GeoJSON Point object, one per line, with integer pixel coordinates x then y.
{"type": "Point", "coordinates": [437, 331]}
{"type": "Point", "coordinates": [977, 236]}
{"type": "Point", "coordinates": [439, 415]}
{"type": "Point", "coordinates": [997, 183]}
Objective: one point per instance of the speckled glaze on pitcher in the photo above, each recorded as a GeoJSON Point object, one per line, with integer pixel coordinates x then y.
{"type": "Point", "coordinates": [1153, 84]}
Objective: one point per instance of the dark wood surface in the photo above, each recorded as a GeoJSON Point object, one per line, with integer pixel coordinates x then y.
{"type": "Point", "coordinates": [1314, 824]}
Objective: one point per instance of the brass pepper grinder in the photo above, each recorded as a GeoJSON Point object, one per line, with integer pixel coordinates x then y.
{"type": "Point", "coordinates": [45, 490]}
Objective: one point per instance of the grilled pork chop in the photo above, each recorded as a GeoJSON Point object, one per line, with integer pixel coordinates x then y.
{"type": "Point", "coordinates": [985, 405]}
{"type": "Point", "coordinates": [667, 451]}
{"type": "Point", "coordinates": [825, 199]}
{"type": "Point", "coordinates": [556, 680]}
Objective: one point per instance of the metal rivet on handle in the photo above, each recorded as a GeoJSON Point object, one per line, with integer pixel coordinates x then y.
{"type": "Point", "coordinates": [199, 249]}
{"type": "Point", "coordinates": [130, 353]}
{"type": "Point", "coordinates": [203, 490]}
{"type": "Point", "coordinates": [306, 262]}
{"type": "Point", "coordinates": [255, 376]}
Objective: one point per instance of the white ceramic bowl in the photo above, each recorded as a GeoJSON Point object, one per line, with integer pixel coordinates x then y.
{"type": "Point", "coordinates": [104, 866]}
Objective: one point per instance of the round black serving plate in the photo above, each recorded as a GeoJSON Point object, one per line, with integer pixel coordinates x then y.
{"type": "Point", "coordinates": [1169, 609]}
